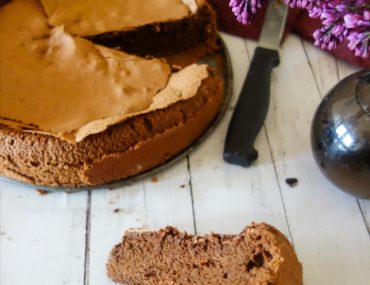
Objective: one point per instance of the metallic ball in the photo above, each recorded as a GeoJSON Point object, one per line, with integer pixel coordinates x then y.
{"type": "Point", "coordinates": [340, 135]}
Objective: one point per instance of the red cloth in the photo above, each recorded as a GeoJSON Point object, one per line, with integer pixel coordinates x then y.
{"type": "Point", "coordinates": [298, 23]}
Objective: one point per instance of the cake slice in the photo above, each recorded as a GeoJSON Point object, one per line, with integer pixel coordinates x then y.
{"type": "Point", "coordinates": [260, 254]}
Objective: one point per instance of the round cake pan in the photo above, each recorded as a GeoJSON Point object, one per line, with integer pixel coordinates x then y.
{"type": "Point", "coordinates": [221, 65]}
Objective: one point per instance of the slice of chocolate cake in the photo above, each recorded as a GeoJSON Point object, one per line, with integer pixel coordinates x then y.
{"type": "Point", "coordinates": [258, 255]}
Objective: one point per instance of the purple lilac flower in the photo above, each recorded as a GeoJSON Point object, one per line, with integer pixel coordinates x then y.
{"type": "Point", "coordinates": [342, 20]}
{"type": "Point", "coordinates": [324, 38]}
{"type": "Point", "coordinates": [245, 10]}
{"type": "Point", "coordinates": [359, 42]}
{"type": "Point", "coordinates": [351, 20]}
{"type": "Point", "coordinates": [303, 4]}
{"type": "Point", "coordinates": [366, 15]}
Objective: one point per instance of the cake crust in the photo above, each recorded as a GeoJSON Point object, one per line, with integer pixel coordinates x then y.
{"type": "Point", "coordinates": [260, 254]}
{"type": "Point", "coordinates": [123, 150]}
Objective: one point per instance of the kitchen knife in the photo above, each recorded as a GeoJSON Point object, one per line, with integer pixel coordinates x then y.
{"type": "Point", "coordinates": [251, 109]}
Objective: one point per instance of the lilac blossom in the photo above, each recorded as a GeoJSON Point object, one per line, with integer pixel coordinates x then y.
{"type": "Point", "coordinates": [342, 20]}
{"type": "Point", "coordinates": [359, 43]}
{"type": "Point", "coordinates": [245, 10]}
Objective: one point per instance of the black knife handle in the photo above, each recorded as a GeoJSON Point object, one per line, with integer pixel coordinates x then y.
{"type": "Point", "coordinates": [251, 109]}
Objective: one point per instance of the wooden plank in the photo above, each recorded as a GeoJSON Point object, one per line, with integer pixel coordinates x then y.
{"type": "Point", "coordinates": [323, 67]}
{"type": "Point", "coordinates": [228, 197]}
{"type": "Point", "coordinates": [153, 203]}
{"type": "Point", "coordinates": [326, 224]}
{"type": "Point", "coordinates": [42, 238]}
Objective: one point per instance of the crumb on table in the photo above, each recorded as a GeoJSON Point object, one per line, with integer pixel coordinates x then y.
{"type": "Point", "coordinates": [292, 182]}
{"type": "Point", "coordinates": [41, 192]}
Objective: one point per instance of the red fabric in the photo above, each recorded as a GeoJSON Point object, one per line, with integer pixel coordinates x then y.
{"type": "Point", "coordinates": [298, 23]}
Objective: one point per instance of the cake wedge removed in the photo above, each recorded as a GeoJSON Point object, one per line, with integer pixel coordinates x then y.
{"type": "Point", "coordinates": [260, 254]}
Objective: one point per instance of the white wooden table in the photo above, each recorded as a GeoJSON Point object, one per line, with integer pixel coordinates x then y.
{"type": "Point", "coordinates": [66, 238]}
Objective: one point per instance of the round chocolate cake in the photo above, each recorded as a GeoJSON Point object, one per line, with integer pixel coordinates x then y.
{"type": "Point", "coordinates": [86, 94]}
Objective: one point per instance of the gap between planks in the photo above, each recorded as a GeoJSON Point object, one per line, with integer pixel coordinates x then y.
{"type": "Point", "coordinates": [191, 195]}
{"type": "Point", "coordinates": [279, 185]}
{"type": "Point", "coordinates": [87, 239]}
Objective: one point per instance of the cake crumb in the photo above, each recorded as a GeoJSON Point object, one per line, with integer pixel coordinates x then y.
{"type": "Point", "coordinates": [292, 182]}
{"type": "Point", "coordinates": [154, 179]}
{"type": "Point", "coordinates": [42, 192]}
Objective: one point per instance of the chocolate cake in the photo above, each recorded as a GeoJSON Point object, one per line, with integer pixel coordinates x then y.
{"type": "Point", "coordinates": [260, 254]}
{"type": "Point", "coordinates": [76, 112]}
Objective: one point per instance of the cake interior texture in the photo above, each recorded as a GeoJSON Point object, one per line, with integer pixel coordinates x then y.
{"type": "Point", "coordinates": [157, 28]}
{"type": "Point", "coordinates": [164, 37]}
{"type": "Point", "coordinates": [56, 124]}
{"type": "Point", "coordinates": [258, 255]}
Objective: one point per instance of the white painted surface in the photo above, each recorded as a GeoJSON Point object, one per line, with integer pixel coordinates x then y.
{"type": "Point", "coordinates": [42, 238]}
{"type": "Point", "coordinates": [65, 239]}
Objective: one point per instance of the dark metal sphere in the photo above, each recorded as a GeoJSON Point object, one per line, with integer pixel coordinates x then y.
{"type": "Point", "coordinates": [340, 134]}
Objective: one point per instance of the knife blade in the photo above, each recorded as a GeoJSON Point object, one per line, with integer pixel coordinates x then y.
{"type": "Point", "coordinates": [253, 103]}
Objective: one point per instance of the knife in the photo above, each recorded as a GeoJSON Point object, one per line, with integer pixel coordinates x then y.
{"type": "Point", "coordinates": [253, 103]}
